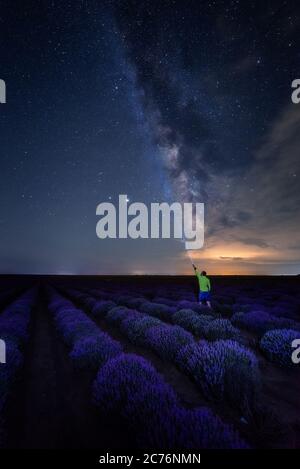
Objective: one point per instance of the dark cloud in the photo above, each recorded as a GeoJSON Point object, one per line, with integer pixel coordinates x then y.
{"type": "Point", "coordinates": [254, 242]}
{"type": "Point", "coordinates": [294, 247]}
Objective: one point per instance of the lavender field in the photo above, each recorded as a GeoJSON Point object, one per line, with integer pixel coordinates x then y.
{"type": "Point", "coordinates": [136, 362]}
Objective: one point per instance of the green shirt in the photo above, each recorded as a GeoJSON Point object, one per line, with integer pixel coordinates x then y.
{"type": "Point", "coordinates": [204, 282]}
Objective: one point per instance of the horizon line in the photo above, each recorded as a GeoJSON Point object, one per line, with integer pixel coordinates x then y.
{"type": "Point", "coordinates": [141, 275]}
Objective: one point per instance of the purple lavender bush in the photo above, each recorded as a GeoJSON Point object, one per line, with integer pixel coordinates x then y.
{"type": "Point", "coordinates": [74, 330]}
{"type": "Point", "coordinates": [121, 299]}
{"type": "Point", "coordinates": [89, 302]}
{"type": "Point", "coordinates": [14, 360]}
{"type": "Point", "coordinates": [223, 370]}
{"type": "Point", "coordinates": [69, 314]}
{"type": "Point", "coordinates": [14, 323]}
{"type": "Point", "coordinates": [74, 324]}
{"type": "Point", "coordinates": [225, 299]}
{"type": "Point", "coordinates": [58, 302]}
{"type": "Point", "coordinates": [134, 303]}
{"type": "Point", "coordinates": [121, 380]}
{"type": "Point", "coordinates": [222, 329]}
{"type": "Point", "coordinates": [91, 347]}
{"type": "Point", "coordinates": [15, 326]}
{"type": "Point", "coordinates": [18, 306]}
{"type": "Point", "coordinates": [77, 295]}
{"type": "Point", "coordinates": [277, 346]}
{"type": "Point", "coordinates": [191, 321]}
{"type": "Point", "coordinates": [286, 323]}
{"type": "Point", "coordinates": [157, 310]}
{"type": "Point", "coordinates": [91, 352]}
{"type": "Point", "coordinates": [257, 322]}
{"type": "Point", "coordinates": [188, 429]}
{"type": "Point", "coordinates": [103, 295]}
{"type": "Point", "coordinates": [135, 328]}
{"type": "Point", "coordinates": [167, 340]}
{"type": "Point", "coordinates": [14, 320]}
{"type": "Point", "coordinates": [128, 387]}
{"type": "Point", "coordinates": [116, 315]}
{"type": "Point", "coordinates": [164, 301]}
{"type": "Point", "coordinates": [100, 308]}
{"type": "Point", "coordinates": [241, 307]}
{"type": "Point", "coordinates": [192, 305]}
{"type": "Point", "coordinates": [286, 310]}
{"type": "Point", "coordinates": [224, 309]}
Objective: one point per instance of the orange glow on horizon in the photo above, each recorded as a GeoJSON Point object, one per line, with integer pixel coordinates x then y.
{"type": "Point", "coordinates": [236, 259]}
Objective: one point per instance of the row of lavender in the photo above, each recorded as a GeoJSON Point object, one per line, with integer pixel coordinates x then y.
{"type": "Point", "coordinates": [128, 387]}
{"type": "Point", "coordinates": [200, 321]}
{"type": "Point", "coordinates": [252, 316]}
{"type": "Point", "coordinates": [223, 369]}
{"type": "Point", "coordinates": [14, 332]}
{"type": "Point", "coordinates": [252, 295]}
{"type": "Point", "coordinates": [231, 296]}
{"type": "Point", "coordinates": [275, 334]}
{"type": "Point", "coordinates": [7, 296]}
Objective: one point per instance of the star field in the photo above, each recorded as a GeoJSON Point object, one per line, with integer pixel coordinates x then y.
{"type": "Point", "coordinates": [161, 101]}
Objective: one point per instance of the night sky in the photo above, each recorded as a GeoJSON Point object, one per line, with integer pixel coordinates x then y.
{"type": "Point", "coordinates": [160, 100]}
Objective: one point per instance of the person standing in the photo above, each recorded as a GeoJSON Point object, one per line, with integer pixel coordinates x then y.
{"type": "Point", "coordinates": [204, 287]}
